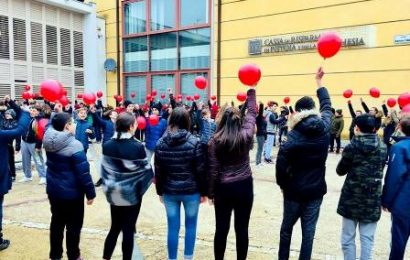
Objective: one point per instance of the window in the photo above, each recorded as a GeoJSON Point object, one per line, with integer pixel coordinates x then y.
{"type": "Point", "coordinates": [78, 49]}
{"type": "Point", "coordinates": [79, 78]}
{"type": "Point", "coordinates": [136, 55]}
{"type": "Point", "coordinates": [37, 42]}
{"type": "Point", "coordinates": [65, 47]}
{"type": "Point", "coordinates": [188, 86]}
{"type": "Point", "coordinates": [19, 34]}
{"type": "Point", "coordinates": [135, 17]}
{"type": "Point", "coordinates": [162, 14]}
{"type": "Point", "coordinates": [137, 84]}
{"type": "Point", "coordinates": [161, 83]}
{"type": "Point", "coordinates": [164, 52]}
{"type": "Point", "coordinates": [51, 39]}
{"type": "Point", "coordinates": [4, 38]}
{"type": "Point", "coordinates": [194, 48]}
{"type": "Point", "coordinates": [194, 12]}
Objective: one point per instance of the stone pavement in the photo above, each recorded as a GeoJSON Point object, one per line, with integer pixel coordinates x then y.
{"type": "Point", "coordinates": [27, 218]}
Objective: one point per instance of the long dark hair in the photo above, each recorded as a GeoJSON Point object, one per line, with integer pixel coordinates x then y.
{"type": "Point", "coordinates": [228, 138]}
{"type": "Point", "coordinates": [179, 119]}
{"type": "Point", "coordinates": [124, 123]}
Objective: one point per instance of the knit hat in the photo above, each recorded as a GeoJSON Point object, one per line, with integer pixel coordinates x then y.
{"type": "Point", "coordinates": [366, 123]}
{"type": "Point", "coordinates": [11, 112]}
{"type": "Point", "coordinates": [305, 103]}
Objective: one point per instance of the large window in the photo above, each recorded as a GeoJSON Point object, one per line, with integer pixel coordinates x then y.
{"type": "Point", "coordinates": [188, 87]}
{"type": "Point", "coordinates": [137, 85]}
{"type": "Point", "coordinates": [164, 52]}
{"type": "Point", "coordinates": [135, 17]}
{"type": "Point", "coordinates": [194, 48]}
{"type": "Point", "coordinates": [163, 13]}
{"type": "Point", "coordinates": [161, 83]}
{"type": "Point", "coordinates": [136, 54]}
{"type": "Point", "coordinates": [194, 12]}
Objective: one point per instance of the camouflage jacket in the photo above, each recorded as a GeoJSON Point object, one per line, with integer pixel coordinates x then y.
{"type": "Point", "coordinates": [362, 161]}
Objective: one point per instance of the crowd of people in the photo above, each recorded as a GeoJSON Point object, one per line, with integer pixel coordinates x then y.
{"type": "Point", "coordinates": [201, 153]}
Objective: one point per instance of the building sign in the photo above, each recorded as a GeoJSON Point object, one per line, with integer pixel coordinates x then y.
{"type": "Point", "coordinates": [363, 36]}
{"type": "Point", "coordinates": [402, 39]}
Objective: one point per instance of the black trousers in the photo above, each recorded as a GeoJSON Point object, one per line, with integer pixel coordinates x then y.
{"type": "Point", "coordinates": [332, 142]}
{"type": "Point", "coordinates": [236, 197]}
{"type": "Point", "coordinates": [12, 165]}
{"type": "Point", "coordinates": [69, 215]}
{"type": "Point", "coordinates": [122, 219]}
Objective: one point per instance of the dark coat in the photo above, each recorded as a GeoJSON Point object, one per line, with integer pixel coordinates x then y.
{"type": "Point", "coordinates": [180, 164]}
{"type": "Point", "coordinates": [301, 161]}
{"type": "Point", "coordinates": [154, 133]}
{"type": "Point", "coordinates": [68, 171]}
{"type": "Point", "coordinates": [362, 162]}
{"type": "Point", "coordinates": [207, 129]}
{"type": "Point", "coordinates": [5, 137]}
{"type": "Point", "coordinates": [230, 169]}
{"type": "Point", "coordinates": [81, 135]}
{"type": "Point", "coordinates": [396, 190]}
{"type": "Point", "coordinates": [30, 136]}
{"type": "Point", "coordinates": [107, 125]}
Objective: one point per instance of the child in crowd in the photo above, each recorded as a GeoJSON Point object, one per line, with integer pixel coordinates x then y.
{"type": "Point", "coordinates": [10, 122]}
{"type": "Point", "coordinates": [84, 130]}
{"type": "Point", "coordinates": [360, 202]}
{"type": "Point", "coordinates": [207, 128]}
{"type": "Point", "coordinates": [337, 129]}
{"type": "Point", "coordinates": [261, 134]}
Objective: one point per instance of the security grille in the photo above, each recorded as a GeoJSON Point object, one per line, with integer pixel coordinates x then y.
{"type": "Point", "coordinates": [51, 36]}
{"type": "Point", "coordinates": [65, 47]}
{"type": "Point", "coordinates": [36, 42]}
{"type": "Point", "coordinates": [78, 49]}
{"type": "Point", "coordinates": [79, 78]}
{"type": "Point", "coordinates": [19, 36]}
{"type": "Point", "coordinates": [4, 38]}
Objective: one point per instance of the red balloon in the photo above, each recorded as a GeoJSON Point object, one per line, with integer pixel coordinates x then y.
{"type": "Point", "coordinates": [64, 101]}
{"type": "Point", "coordinates": [36, 95]}
{"type": "Point", "coordinates": [213, 98]}
{"type": "Point", "coordinates": [374, 92]}
{"type": "Point", "coordinates": [406, 109]}
{"type": "Point", "coordinates": [197, 96]}
{"type": "Point", "coordinates": [99, 94]}
{"type": "Point", "coordinates": [249, 74]}
{"type": "Point", "coordinates": [51, 90]}
{"type": "Point", "coordinates": [200, 82]}
{"type": "Point", "coordinates": [26, 95]}
{"type": "Point", "coordinates": [348, 93]}
{"type": "Point", "coordinates": [79, 95]}
{"type": "Point", "coordinates": [162, 95]}
{"type": "Point", "coordinates": [154, 93]}
{"type": "Point", "coordinates": [153, 120]}
{"type": "Point", "coordinates": [133, 94]}
{"type": "Point", "coordinates": [119, 98]}
{"type": "Point", "coordinates": [329, 44]}
{"type": "Point", "coordinates": [179, 96]}
{"type": "Point", "coordinates": [27, 87]}
{"type": "Point", "coordinates": [89, 98]}
{"type": "Point", "coordinates": [141, 123]}
{"type": "Point", "coordinates": [286, 100]}
{"type": "Point", "coordinates": [41, 128]}
{"type": "Point", "coordinates": [115, 96]}
{"type": "Point", "coordinates": [391, 102]}
{"type": "Point", "coordinates": [241, 96]}
{"type": "Point", "coordinates": [179, 99]}
{"type": "Point", "coordinates": [149, 97]}
{"type": "Point", "coordinates": [404, 99]}
{"type": "Point", "coordinates": [64, 92]}
{"type": "Point", "coordinates": [188, 98]}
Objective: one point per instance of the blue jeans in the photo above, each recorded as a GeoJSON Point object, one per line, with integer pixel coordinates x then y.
{"type": "Point", "coordinates": [27, 151]}
{"type": "Point", "coordinates": [367, 231]}
{"type": "Point", "coordinates": [308, 213]}
{"type": "Point", "coordinates": [269, 146]}
{"type": "Point", "coordinates": [173, 207]}
{"type": "Point", "coordinates": [261, 141]}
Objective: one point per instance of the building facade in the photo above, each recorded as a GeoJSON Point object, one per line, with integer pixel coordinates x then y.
{"type": "Point", "coordinates": [50, 39]}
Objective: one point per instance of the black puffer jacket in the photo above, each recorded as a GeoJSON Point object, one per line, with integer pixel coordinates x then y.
{"type": "Point", "coordinates": [301, 162]}
{"type": "Point", "coordinates": [179, 164]}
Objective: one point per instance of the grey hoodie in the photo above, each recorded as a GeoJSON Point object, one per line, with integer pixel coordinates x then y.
{"type": "Point", "coordinates": [63, 143]}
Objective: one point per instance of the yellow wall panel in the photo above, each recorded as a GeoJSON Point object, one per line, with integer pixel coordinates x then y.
{"type": "Point", "coordinates": [337, 16]}
{"type": "Point", "coordinates": [105, 4]}
{"type": "Point", "coordinates": [352, 60]}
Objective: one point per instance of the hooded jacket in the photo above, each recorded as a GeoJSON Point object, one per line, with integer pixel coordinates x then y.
{"type": "Point", "coordinates": [337, 125]}
{"type": "Point", "coordinates": [301, 161]}
{"type": "Point", "coordinates": [68, 171]}
{"type": "Point", "coordinates": [362, 162]}
{"type": "Point", "coordinates": [180, 164]}
{"type": "Point", "coordinates": [81, 134]}
{"type": "Point", "coordinates": [5, 137]}
{"type": "Point", "coordinates": [154, 133]}
{"type": "Point", "coordinates": [396, 190]}
{"type": "Point", "coordinates": [107, 125]}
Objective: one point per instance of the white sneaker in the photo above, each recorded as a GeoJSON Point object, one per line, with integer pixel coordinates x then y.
{"type": "Point", "coordinates": [42, 181]}
{"type": "Point", "coordinates": [25, 179]}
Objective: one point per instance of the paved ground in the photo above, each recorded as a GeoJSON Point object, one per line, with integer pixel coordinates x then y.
{"type": "Point", "coordinates": [27, 219]}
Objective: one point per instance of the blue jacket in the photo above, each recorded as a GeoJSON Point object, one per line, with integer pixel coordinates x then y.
{"type": "Point", "coordinates": [396, 190]}
{"type": "Point", "coordinates": [81, 135]}
{"type": "Point", "coordinates": [5, 137]}
{"type": "Point", "coordinates": [154, 133]}
{"type": "Point", "coordinates": [107, 125]}
{"type": "Point", "coordinates": [68, 171]}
